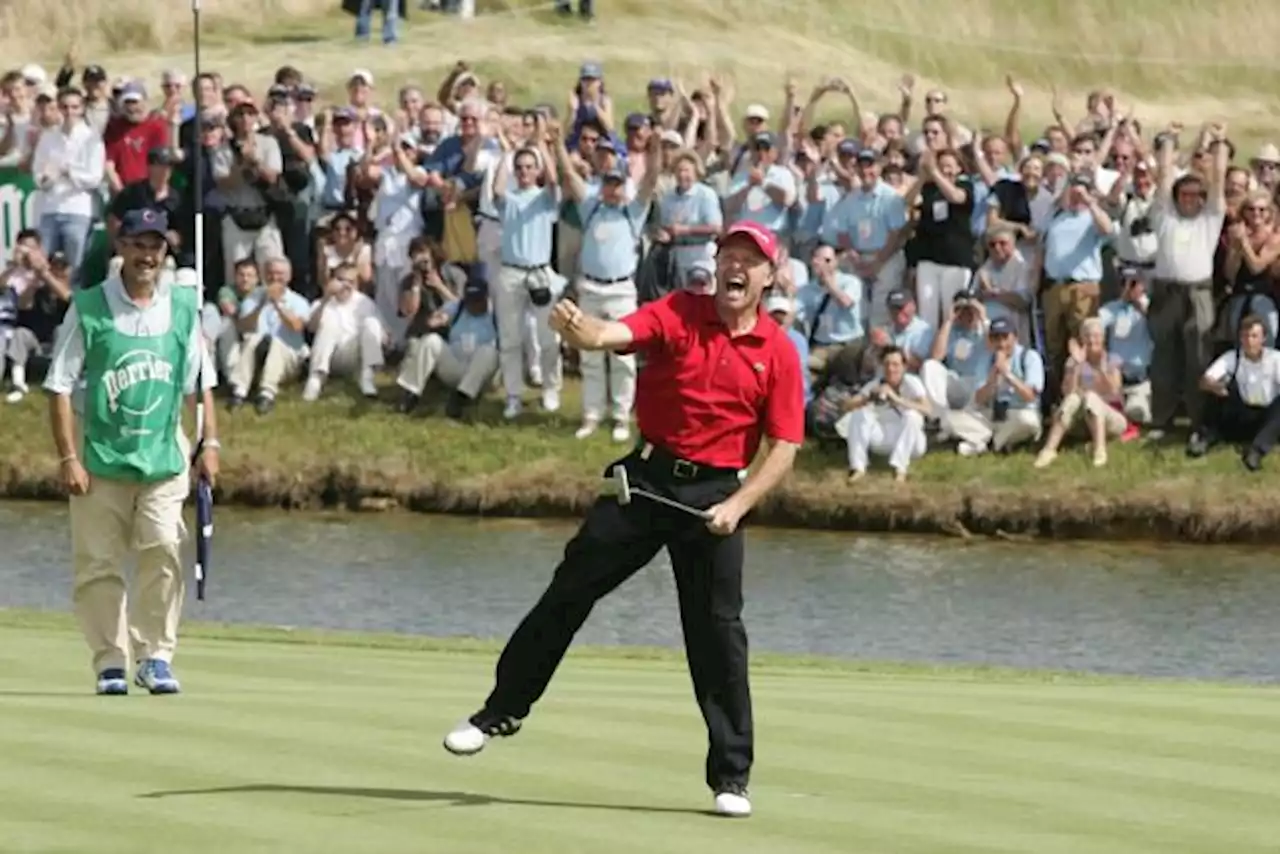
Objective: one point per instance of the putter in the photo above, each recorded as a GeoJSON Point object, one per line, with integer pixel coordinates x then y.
{"type": "Point", "coordinates": [622, 490]}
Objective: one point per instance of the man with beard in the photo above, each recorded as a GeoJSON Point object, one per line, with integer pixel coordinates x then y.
{"type": "Point", "coordinates": [719, 375]}
{"type": "Point", "coordinates": [136, 343]}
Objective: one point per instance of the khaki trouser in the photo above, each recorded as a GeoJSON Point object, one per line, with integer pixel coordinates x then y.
{"type": "Point", "coordinates": [610, 302]}
{"type": "Point", "coordinates": [280, 363]}
{"type": "Point", "coordinates": [821, 354]}
{"type": "Point", "coordinates": [112, 519]}
{"type": "Point", "coordinates": [1066, 306]}
{"type": "Point", "coordinates": [1090, 402]}
{"type": "Point", "coordinates": [512, 308]}
{"type": "Point", "coordinates": [430, 355]}
{"type": "Point", "coordinates": [1181, 319]}
{"type": "Point", "coordinates": [337, 353]}
{"type": "Point", "coordinates": [979, 427]}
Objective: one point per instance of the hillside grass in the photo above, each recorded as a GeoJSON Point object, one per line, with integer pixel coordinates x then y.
{"type": "Point", "coordinates": [344, 451]}
{"type": "Point", "coordinates": [1182, 59]}
{"type": "Point", "coordinates": [335, 747]}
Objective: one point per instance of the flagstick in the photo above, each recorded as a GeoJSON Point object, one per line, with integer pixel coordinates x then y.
{"type": "Point", "coordinates": [198, 189]}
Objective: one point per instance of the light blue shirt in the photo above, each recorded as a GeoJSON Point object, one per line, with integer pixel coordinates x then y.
{"type": "Point", "coordinates": [335, 175]}
{"type": "Point", "coordinates": [866, 218]}
{"type": "Point", "coordinates": [469, 332]}
{"type": "Point", "coordinates": [832, 324]}
{"type": "Point", "coordinates": [1028, 367]}
{"type": "Point", "coordinates": [528, 217]}
{"type": "Point", "coordinates": [1073, 247]}
{"type": "Point", "coordinates": [814, 215]}
{"type": "Point", "coordinates": [699, 206]}
{"type": "Point", "coordinates": [610, 236]}
{"type": "Point", "coordinates": [915, 338]}
{"type": "Point", "coordinates": [967, 352]}
{"type": "Point", "coordinates": [802, 350]}
{"type": "Point", "coordinates": [758, 207]}
{"type": "Point", "coordinates": [1128, 338]}
{"type": "Point", "coordinates": [269, 322]}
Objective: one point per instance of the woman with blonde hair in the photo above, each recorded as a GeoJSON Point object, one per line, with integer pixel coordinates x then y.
{"type": "Point", "coordinates": [1092, 384]}
{"type": "Point", "coordinates": [1252, 265]}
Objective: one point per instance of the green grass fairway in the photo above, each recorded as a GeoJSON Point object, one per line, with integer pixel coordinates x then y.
{"type": "Point", "coordinates": [334, 746]}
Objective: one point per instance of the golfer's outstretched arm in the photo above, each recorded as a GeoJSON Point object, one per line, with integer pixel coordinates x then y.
{"type": "Point", "coordinates": [583, 332]}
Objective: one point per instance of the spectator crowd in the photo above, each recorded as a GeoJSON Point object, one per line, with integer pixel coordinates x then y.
{"type": "Point", "coordinates": [946, 286]}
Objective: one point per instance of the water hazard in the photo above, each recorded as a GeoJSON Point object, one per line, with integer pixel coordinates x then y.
{"type": "Point", "coordinates": [1204, 612]}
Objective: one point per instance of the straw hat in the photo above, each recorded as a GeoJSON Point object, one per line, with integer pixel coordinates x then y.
{"type": "Point", "coordinates": [1268, 153]}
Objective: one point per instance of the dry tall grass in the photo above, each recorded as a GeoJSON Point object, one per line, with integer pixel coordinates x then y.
{"type": "Point", "coordinates": [1184, 59]}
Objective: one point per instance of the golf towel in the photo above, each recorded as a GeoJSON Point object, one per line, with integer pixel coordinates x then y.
{"type": "Point", "coordinates": [204, 532]}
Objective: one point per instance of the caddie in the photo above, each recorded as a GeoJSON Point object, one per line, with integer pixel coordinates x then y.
{"type": "Point", "coordinates": [131, 352]}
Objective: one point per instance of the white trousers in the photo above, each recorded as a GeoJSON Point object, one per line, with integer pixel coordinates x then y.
{"type": "Point", "coordinates": [511, 305]}
{"type": "Point", "coordinates": [890, 279]}
{"type": "Point", "coordinates": [386, 294]}
{"type": "Point", "coordinates": [979, 427]}
{"type": "Point", "coordinates": [610, 302]}
{"type": "Point", "coordinates": [947, 390]}
{"type": "Point", "coordinates": [936, 287]}
{"type": "Point", "coordinates": [429, 355]}
{"type": "Point", "coordinates": [238, 244]}
{"type": "Point", "coordinates": [885, 431]}
{"type": "Point", "coordinates": [108, 522]}
{"type": "Point", "coordinates": [228, 346]}
{"type": "Point", "coordinates": [342, 353]}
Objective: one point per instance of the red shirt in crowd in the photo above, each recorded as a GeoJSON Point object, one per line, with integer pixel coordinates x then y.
{"type": "Point", "coordinates": [127, 144]}
{"type": "Point", "coordinates": [709, 397]}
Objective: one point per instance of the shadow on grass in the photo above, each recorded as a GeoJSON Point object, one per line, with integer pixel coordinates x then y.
{"type": "Point", "coordinates": [453, 799]}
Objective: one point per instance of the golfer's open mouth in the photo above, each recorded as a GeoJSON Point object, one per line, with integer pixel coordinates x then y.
{"type": "Point", "coordinates": [736, 285]}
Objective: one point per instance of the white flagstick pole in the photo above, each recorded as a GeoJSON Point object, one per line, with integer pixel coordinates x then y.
{"type": "Point", "coordinates": [197, 189]}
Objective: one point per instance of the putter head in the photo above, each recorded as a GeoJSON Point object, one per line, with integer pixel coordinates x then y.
{"type": "Point", "coordinates": [621, 485]}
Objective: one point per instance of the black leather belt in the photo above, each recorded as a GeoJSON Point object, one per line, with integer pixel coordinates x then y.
{"type": "Point", "coordinates": [1140, 265]}
{"type": "Point", "coordinates": [486, 216]}
{"type": "Point", "coordinates": [663, 463]}
{"type": "Point", "coordinates": [525, 269]}
{"type": "Point", "coordinates": [606, 281]}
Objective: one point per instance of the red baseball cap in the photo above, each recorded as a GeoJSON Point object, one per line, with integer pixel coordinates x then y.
{"type": "Point", "coordinates": [766, 241]}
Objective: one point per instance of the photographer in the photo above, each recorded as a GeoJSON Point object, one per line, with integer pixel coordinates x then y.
{"type": "Point", "coordinates": [1007, 406]}
{"type": "Point", "coordinates": [886, 417]}
{"type": "Point", "coordinates": [247, 170]}
{"type": "Point", "coordinates": [527, 214]}
{"type": "Point", "coordinates": [1131, 198]}
{"type": "Point", "coordinates": [397, 222]}
{"type": "Point", "coordinates": [432, 284]}
{"type": "Point", "coordinates": [298, 152]}
{"type": "Point", "coordinates": [34, 292]}
{"type": "Point", "coordinates": [1129, 339]}
{"type": "Point", "coordinates": [1242, 397]}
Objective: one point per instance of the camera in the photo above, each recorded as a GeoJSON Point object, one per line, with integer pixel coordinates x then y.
{"type": "Point", "coordinates": [1140, 226]}
{"type": "Point", "coordinates": [539, 294]}
{"type": "Point", "coordinates": [1000, 411]}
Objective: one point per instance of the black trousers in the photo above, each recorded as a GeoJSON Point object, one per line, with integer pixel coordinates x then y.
{"type": "Point", "coordinates": [614, 542]}
{"type": "Point", "coordinates": [1230, 419]}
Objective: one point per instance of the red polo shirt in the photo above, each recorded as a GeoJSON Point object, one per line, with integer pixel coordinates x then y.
{"type": "Point", "coordinates": [127, 144]}
{"type": "Point", "coordinates": [709, 397]}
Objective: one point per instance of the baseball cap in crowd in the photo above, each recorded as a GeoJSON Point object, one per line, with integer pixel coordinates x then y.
{"type": "Point", "coordinates": [143, 221]}
{"type": "Point", "coordinates": [778, 301]}
{"type": "Point", "coordinates": [344, 114]}
{"type": "Point", "coordinates": [477, 286]}
{"type": "Point", "coordinates": [279, 90]}
{"type": "Point", "coordinates": [615, 173]}
{"type": "Point", "coordinates": [1058, 159]}
{"type": "Point", "coordinates": [590, 71]}
{"type": "Point", "coordinates": [606, 144]}
{"type": "Point", "coordinates": [1080, 179]}
{"type": "Point", "coordinates": [132, 91]}
{"type": "Point", "coordinates": [847, 148]}
{"type": "Point", "coordinates": [34, 75]}
{"type": "Point", "coordinates": [635, 121]}
{"type": "Point", "coordinates": [161, 156]}
{"type": "Point", "coordinates": [47, 92]}
{"type": "Point", "coordinates": [868, 155]}
{"type": "Point", "coordinates": [1041, 146]}
{"type": "Point", "coordinates": [757, 111]}
{"type": "Point", "coordinates": [765, 240]}
{"type": "Point", "coordinates": [897, 299]}
{"type": "Point", "coordinates": [361, 75]}
{"type": "Point", "coordinates": [1000, 326]}
{"type": "Point", "coordinates": [305, 92]}
{"type": "Point", "coordinates": [764, 139]}
{"type": "Point", "coordinates": [93, 74]}
{"type": "Point", "coordinates": [661, 84]}
{"type": "Point", "coordinates": [672, 137]}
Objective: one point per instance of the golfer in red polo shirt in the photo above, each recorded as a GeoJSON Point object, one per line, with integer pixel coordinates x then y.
{"type": "Point", "coordinates": [718, 376]}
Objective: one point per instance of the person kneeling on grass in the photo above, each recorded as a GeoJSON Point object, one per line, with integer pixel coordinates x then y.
{"type": "Point", "coordinates": [887, 417]}
{"type": "Point", "coordinates": [959, 359]}
{"type": "Point", "coordinates": [1007, 406]}
{"type": "Point", "coordinates": [462, 355]}
{"type": "Point", "coordinates": [1092, 382]}
{"type": "Point", "coordinates": [1242, 390]}
{"type": "Point", "coordinates": [349, 334]}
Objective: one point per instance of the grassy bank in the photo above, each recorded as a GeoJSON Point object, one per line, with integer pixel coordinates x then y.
{"type": "Point", "coordinates": [345, 452]}
{"type": "Point", "coordinates": [1181, 60]}
{"type": "Point", "coordinates": [334, 747]}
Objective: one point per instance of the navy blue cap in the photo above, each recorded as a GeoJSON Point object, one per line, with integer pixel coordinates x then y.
{"type": "Point", "coordinates": [847, 147]}
{"type": "Point", "coordinates": [143, 221]}
{"type": "Point", "coordinates": [617, 173]}
{"type": "Point", "coordinates": [637, 120]}
{"type": "Point", "coordinates": [661, 84]}
{"type": "Point", "coordinates": [606, 144]}
{"type": "Point", "coordinates": [1041, 143]}
{"type": "Point", "coordinates": [869, 154]}
{"type": "Point", "coordinates": [764, 139]}
{"type": "Point", "coordinates": [1000, 326]}
{"type": "Point", "coordinates": [897, 299]}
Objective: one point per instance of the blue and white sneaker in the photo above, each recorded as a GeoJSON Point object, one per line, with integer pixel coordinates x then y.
{"type": "Point", "coordinates": [155, 675]}
{"type": "Point", "coordinates": [113, 681]}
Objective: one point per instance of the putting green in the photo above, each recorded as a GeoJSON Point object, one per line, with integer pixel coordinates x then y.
{"type": "Point", "coordinates": [334, 746]}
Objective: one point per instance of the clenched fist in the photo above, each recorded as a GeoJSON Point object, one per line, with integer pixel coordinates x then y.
{"type": "Point", "coordinates": [565, 315]}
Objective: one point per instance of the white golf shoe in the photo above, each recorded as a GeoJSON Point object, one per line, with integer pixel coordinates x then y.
{"type": "Point", "coordinates": [469, 737]}
{"type": "Point", "coordinates": [733, 802]}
